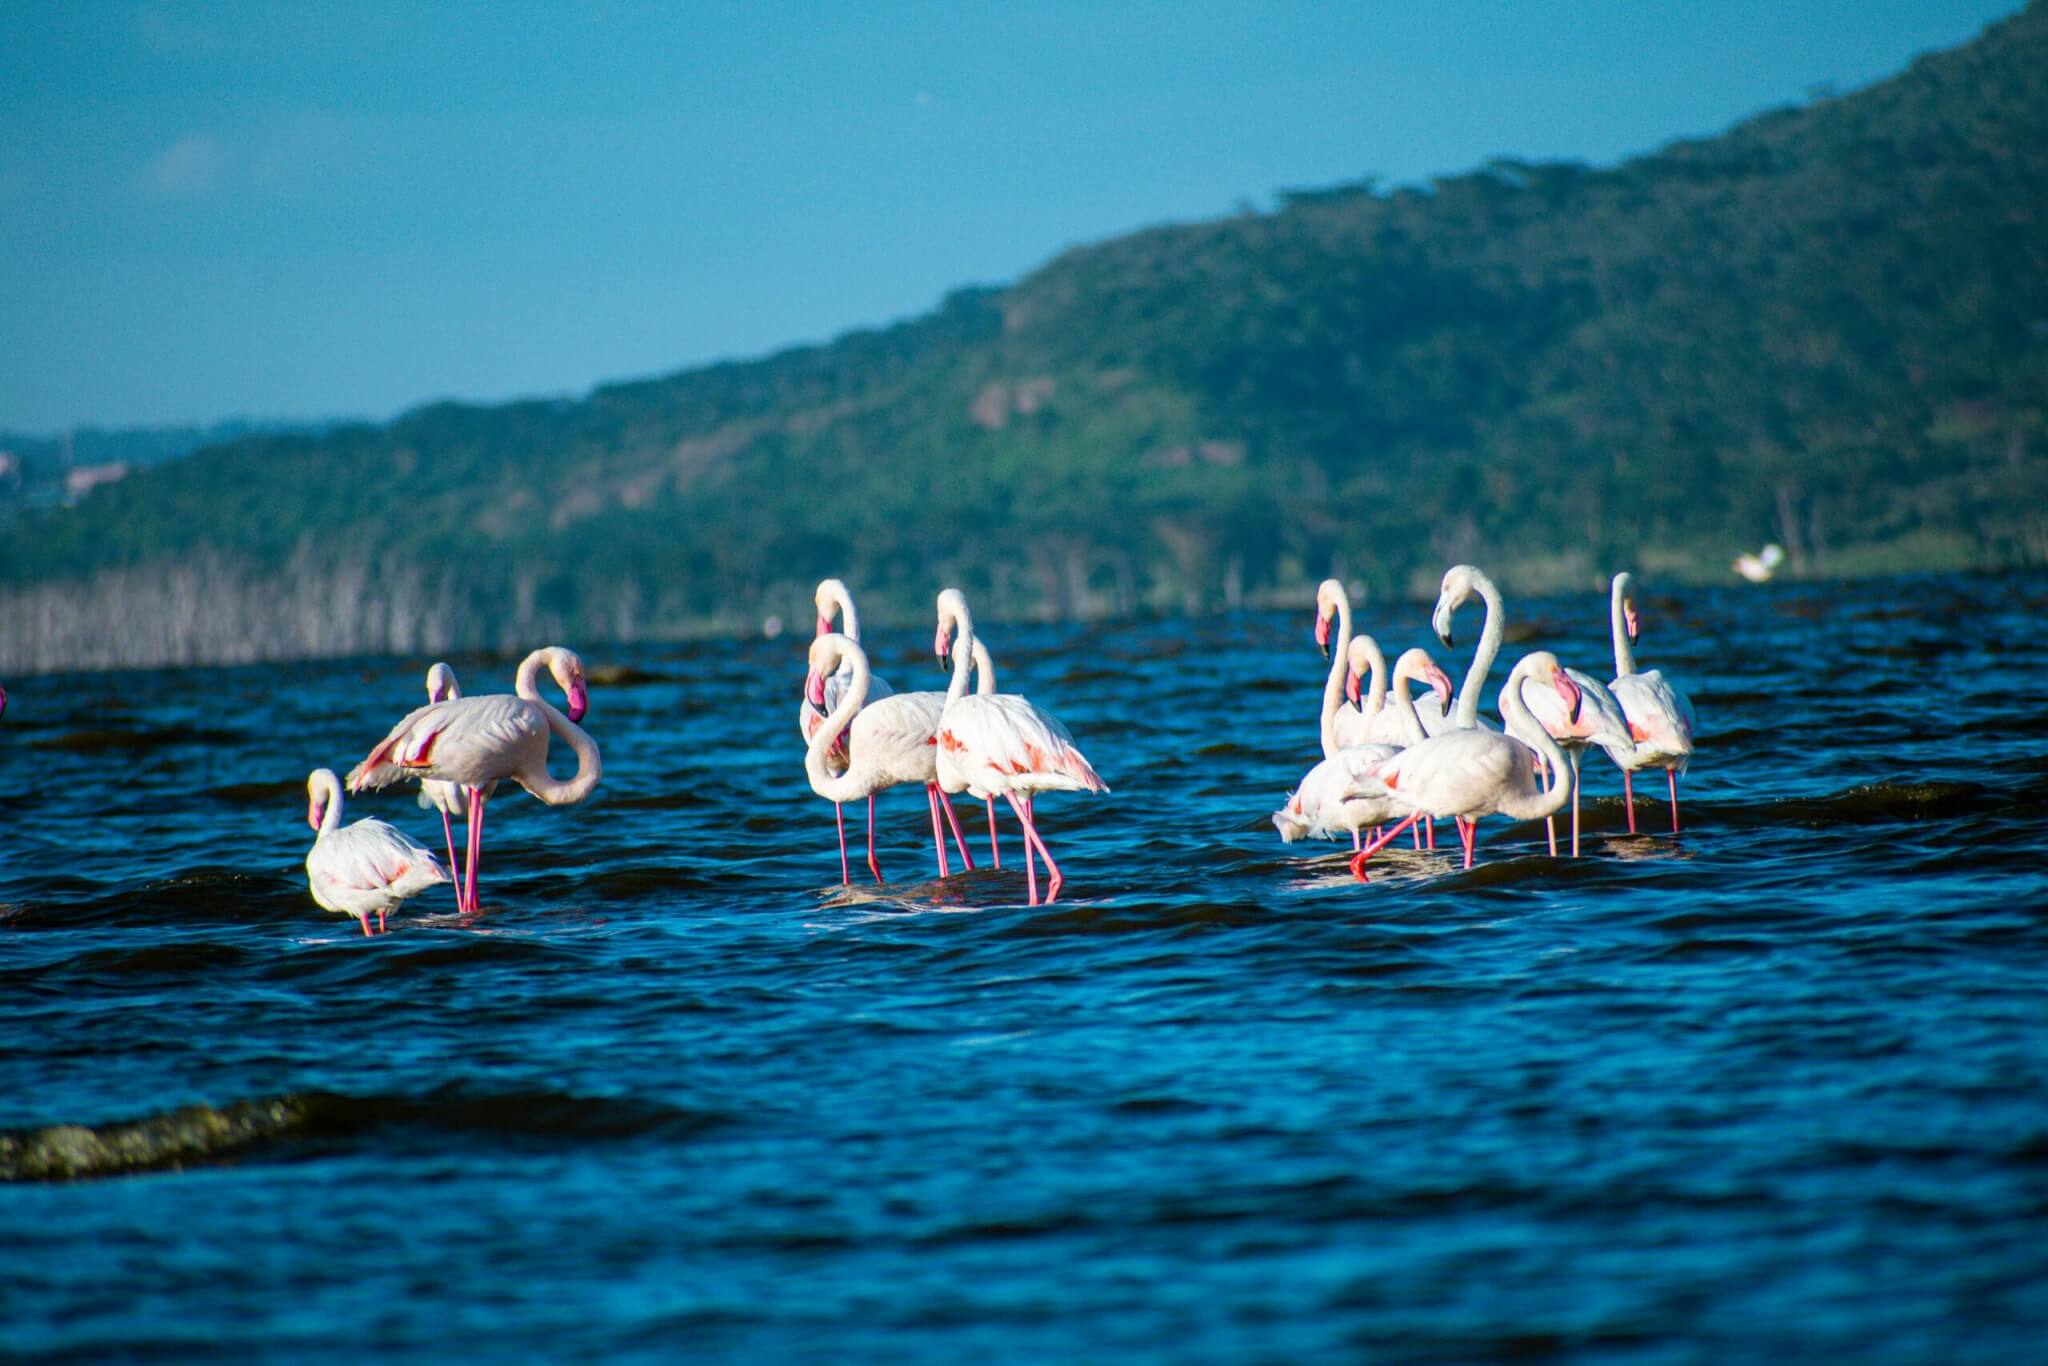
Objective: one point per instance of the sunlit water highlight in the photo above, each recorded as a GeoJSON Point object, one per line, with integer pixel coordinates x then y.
{"type": "Point", "coordinates": [1780, 1084]}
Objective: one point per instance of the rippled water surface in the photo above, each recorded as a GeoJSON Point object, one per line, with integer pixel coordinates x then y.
{"type": "Point", "coordinates": [1778, 1084]}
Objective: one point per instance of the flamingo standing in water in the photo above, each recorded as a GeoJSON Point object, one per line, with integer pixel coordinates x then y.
{"type": "Point", "coordinates": [1660, 718]}
{"type": "Point", "coordinates": [365, 869]}
{"type": "Point", "coordinates": [1319, 804]}
{"type": "Point", "coordinates": [832, 599]}
{"type": "Point", "coordinates": [447, 798]}
{"type": "Point", "coordinates": [482, 741]}
{"type": "Point", "coordinates": [884, 743]}
{"type": "Point", "coordinates": [1599, 722]}
{"type": "Point", "coordinates": [994, 744]}
{"type": "Point", "coordinates": [1466, 774]}
{"type": "Point", "coordinates": [1347, 724]}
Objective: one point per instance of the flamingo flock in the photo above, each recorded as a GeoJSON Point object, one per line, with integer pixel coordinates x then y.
{"type": "Point", "coordinates": [1391, 762]}
{"type": "Point", "coordinates": [1445, 761]}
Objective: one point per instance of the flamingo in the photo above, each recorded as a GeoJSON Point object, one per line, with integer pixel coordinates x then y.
{"type": "Point", "coordinates": [1466, 774]}
{"type": "Point", "coordinates": [884, 743]}
{"type": "Point", "coordinates": [1599, 722]}
{"type": "Point", "coordinates": [1318, 805]}
{"type": "Point", "coordinates": [1347, 725]}
{"type": "Point", "coordinates": [1461, 584]}
{"type": "Point", "coordinates": [447, 798]}
{"type": "Point", "coordinates": [481, 741]}
{"type": "Point", "coordinates": [832, 599]}
{"type": "Point", "coordinates": [365, 869]}
{"type": "Point", "coordinates": [999, 743]}
{"type": "Point", "coordinates": [1660, 718]}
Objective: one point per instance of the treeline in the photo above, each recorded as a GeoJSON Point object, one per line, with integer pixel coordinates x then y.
{"type": "Point", "coordinates": [1827, 327]}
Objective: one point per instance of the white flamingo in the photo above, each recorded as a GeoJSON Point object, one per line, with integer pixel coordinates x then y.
{"type": "Point", "coordinates": [482, 741]}
{"type": "Point", "coordinates": [1467, 774]}
{"type": "Point", "coordinates": [1599, 722]}
{"type": "Point", "coordinates": [1319, 804]}
{"type": "Point", "coordinates": [1660, 717]}
{"type": "Point", "coordinates": [832, 599]}
{"type": "Point", "coordinates": [883, 743]}
{"type": "Point", "coordinates": [447, 798]}
{"type": "Point", "coordinates": [1347, 725]}
{"type": "Point", "coordinates": [1463, 582]}
{"type": "Point", "coordinates": [999, 744]}
{"type": "Point", "coordinates": [365, 869]}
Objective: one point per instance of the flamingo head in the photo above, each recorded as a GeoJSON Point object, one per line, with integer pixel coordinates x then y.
{"type": "Point", "coordinates": [1328, 594]}
{"type": "Point", "coordinates": [831, 595]}
{"type": "Point", "coordinates": [1417, 667]}
{"type": "Point", "coordinates": [827, 651]}
{"type": "Point", "coordinates": [567, 667]}
{"type": "Point", "coordinates": [1631, 620]}
{"type": "Point", "coordinates": [318, 783]}
{"type": "Point", "coordinates": [1351, 677]}
{"type": "Point", "coordinates": [1458, 589]}
{"type": "Point", "coordinates": [942, 644]}
{"type": "Point", "coordinates": [441, 684]}
{"type": "Point", "coordinates": [814, 689]}
{"type": "Point", "coordinates": [1562, 681]}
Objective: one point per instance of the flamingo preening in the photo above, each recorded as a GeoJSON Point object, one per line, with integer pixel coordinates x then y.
{"type": "Point", "coordinates": [447, 798]}
{"type": "Point", "coordinates": [1660, 717]}
{"type": "Point", "coordinates": [1467, 774]}
{"type": "Point", "coordinates": [364, 869]}
{"type": "Point", "coordinates": [1321, 803]}
{"type": "Point", "coordinates": [1599, 722]}
{"type": "Point", "coordinates": [479, 742]}
{"type": "Point", "coordinates": [833, 599]}
{"type": "Point", "coordinates": [999, 744]}
{"type": "Point", "coordinates": [885, 743]}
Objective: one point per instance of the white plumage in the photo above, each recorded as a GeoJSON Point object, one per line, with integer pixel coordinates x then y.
{"type": "Point", "coordinates": [364, 869]}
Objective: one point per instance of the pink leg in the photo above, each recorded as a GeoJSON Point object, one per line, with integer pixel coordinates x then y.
{"type": "Point", "coordinates": [1471, 837]}
{"type": "Point", "coordinates": [1628, 797]}
{"type": "Point", "coordinates": [1672, 774]}
{"type": "Point", "coordinates": [380, 922]}
{"type": "Point", "coordinates": [1355, 845]}
{"type": "Point", "coordinates": [873, 866]}
{"type": "Point", "coordinates": [365, 921]}
{"type": "Point", "coordinates": [1575, 805]}
{"type": "Point", "coordinates": [931, 799]}
{"type": "Point", "coordinates": [1358, 860]}
{"type": "Point", "coordinates": [476, 841]}
{"type": "Point", "coordinates": [1033, 840]}
{"type": "Point", "coordinates": [1550, 827]}
{"type": "Point", "coordinates": [1430, 822]}
{"type": "Point", "coordinates": [953, 820]}
{"type": "Point", "coordinates": [1418, 835]}
{"type": "Point", "coordinates": [454, 868]}
{"type": "Point", "coordinates": [1030, 870]}
{"type": "Point", "coordinates": [845, 872]}
{"type": "Point", "coordinates": [995, 851]}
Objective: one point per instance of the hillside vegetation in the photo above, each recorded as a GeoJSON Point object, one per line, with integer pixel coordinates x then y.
{"type": "Point", "coordinates": [1828, 326]}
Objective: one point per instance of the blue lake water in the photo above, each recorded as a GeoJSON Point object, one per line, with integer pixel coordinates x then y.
{"type": "Point", "coordinates": [1780, 1084]}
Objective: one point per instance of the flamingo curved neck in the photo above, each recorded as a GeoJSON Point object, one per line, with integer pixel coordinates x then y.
{"type": "Point", "coordinates": [844, 787]}
{"type": "Point", "coordinates": [984, 671]}
{"type": "Point", "coordinates": [330, 806]}
{"type": "Point", "coordinates": [1404, 710]}
{"type": "Point", "coordinates": [963, 649]}
{"type": "Point", "coordinates": [849, 620]}
{"type": "Point", "coordinates": [1466, 714]}
{"type": "Point", "coordinates": [564, 791]}
{"type": "Point", "coordinates": [1515, 712]}
{"type": "Point", "coordinates": [526, 683]}
{"type": "Point", "coordinates": [1333, 686]}
{"type": "Point", "coordinates": [1624, 653]}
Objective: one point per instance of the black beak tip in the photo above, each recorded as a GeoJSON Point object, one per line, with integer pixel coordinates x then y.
{"type": "Point", "coordinates": [1445, 637]}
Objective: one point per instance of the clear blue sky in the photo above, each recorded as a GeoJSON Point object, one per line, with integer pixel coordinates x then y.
{"type": "Point", "coordinates": [290, 209]}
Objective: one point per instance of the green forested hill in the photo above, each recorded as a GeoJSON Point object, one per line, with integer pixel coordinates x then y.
{"type": "Point", "coordinates": [1828, 326]}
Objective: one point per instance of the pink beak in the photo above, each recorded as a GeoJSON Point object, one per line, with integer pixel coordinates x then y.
{"type": "Point", "coordinates": [1628, 617]}
{"type": "Point", "coordinates": [814, 689]}
{"type": "Point", "coordinates": [315, 814]}
{"type": "Point", "coordinates": [1351, 690]}
{"type": "Point", "coordinates": [1569, 691]}
{"type": "Point", "coordinates": [579, 702]}
{"type": "Point", "coordinates": [942, 647]}
{"type": "Point", "coordinates": [1323, 634]}
{"type": "Point", "coordinates": [824, 626]}
{"type": "Point", "coordinates": [1441, 682]}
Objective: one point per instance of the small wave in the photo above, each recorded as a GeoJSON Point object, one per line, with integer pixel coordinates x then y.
{"type": "Point", "coordinates": [96, 741]}
{"type": "Point", "coordinates": [202, 1135]}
